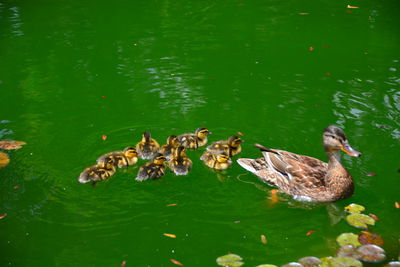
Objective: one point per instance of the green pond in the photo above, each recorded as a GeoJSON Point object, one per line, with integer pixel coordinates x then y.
{"type": "Point", "coordinates": [277, 71]}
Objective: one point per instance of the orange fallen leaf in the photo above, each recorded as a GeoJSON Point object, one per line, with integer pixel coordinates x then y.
{"type": "Point", "coordinates": [173, 204]}
{"type": "Point", "coordinates": [123, 263]}
{"type": "Point", "coordinates": [240, 133]}
{"type": "Point", "coordinates": [349, 6]}
{"type": "Point", "coordinates": [3, 215]}
{"type": "Point", "coordinates": [170, 235]}
{"type": "Point", "coordinates": [103, 96]}
{"type": "Point", "coordinates": [374, 216]}
{"type": "Point", "coordinates": [328, 73]}
{"type": "Point", "coordinates": [274, 196]}
{"type": "Point", "coordinates": [11, 144]}
{"type": "Point", "coordinates": [104, 137]}
{"type": "Point", "coordinates": [176, 262]}
{"type": "Point", "coordinates": [397, 205]}
{"type": "Point", "coordinates": [366, 237]}
{"type": "Point", "coordinates": [263, 239]}
{"type": "Point", "coordinates": [15, 187]}
{"type": "Point", "coordinates": [311, 48]}
{"type": "Point", "coordinates": [4, 159]}
{"type": "Point", "coordinates": [310, 232]}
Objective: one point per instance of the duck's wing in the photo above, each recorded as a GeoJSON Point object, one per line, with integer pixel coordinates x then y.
{"type": "Point", "coordinates": [260, 168]}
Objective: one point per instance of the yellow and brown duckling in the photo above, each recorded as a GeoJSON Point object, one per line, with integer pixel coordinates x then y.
{"type": "Point", "coordinates": [180, 164]}
{"type": "Point", "coordinates": [231, 147]}
{"type": "Point", "coordinates": [218, 161]}
{"type": "Point", "coordinates": [147, 147]}
{"type": "Point", "coordinates": [194, 140]}
{"type": "Point", "coordinates": [303, 177]}
{"type": "Point", "coordinates": [153, 169]}
{"type": "Point", "coordinates": [169, 148]}
{"type": "Point", "coordinates": [121, 159]}
{"type": "Point", "coordinates": [98, 172]}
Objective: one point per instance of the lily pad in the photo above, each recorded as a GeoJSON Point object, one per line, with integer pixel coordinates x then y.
{"type": "Point", "coordinates": [266, 265]}
{"type": "Point", "coordinates": [11, 144]}
{"type": "Point", "coordinates": [344, 262]}
{"type": "Point", "coordinates": [354, 208]}
{"type": "Point", "coordinates": [348, 239]}
{"type": "Point", "coordinates": [393, 264]}
{"type": "Point", "coordinates": [292, 264]}
{"type": "Point", "coordinates": [366, 237]}
{"type": "Point", "coordinates": [360, 220]}
{"type": "Point", "coordinates": [371, 253]}
{"type": "Point", "coordinates": [348, 251]}
{"type": "Point", "coordinates": [310, 261]}
{"type": "Point", "coordinates": [4, 159]}
{"type": "Point", "coordinates": [230, 260]}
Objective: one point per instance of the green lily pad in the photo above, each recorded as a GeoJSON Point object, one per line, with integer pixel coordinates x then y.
{"type": "Point", "coordinates": [393, 264]}
{"type": "Point", "coordinates": [371, 253]}
{"type": "Point", "coordinates": [348, 239]}
{"type": "Point", "coordinates": [348, 251]}
{"type": "Point", "coordinates": [345, 262]}
{"type": "Point", "coordinates": [310, 261]}
{"type": "Point", "coordinates": [292, 264]}
{"type": "Point", "coordinates": [230, 260]}
{"type": "Point", "coordinates": [360, 220]}
{"type": "Point", "coordinates": [354, 208]}
{"type": "Point", "coordinates": [266, 265]}
{"type": "Point", "coordinates": [326, 261]}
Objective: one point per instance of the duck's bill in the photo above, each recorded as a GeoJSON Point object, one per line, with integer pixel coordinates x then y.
{"type": "Point", "coordinates": [349, 150]}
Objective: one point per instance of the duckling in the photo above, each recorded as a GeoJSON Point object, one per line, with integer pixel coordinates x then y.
{"type": "Point", "coordinates": [219, 161]}
{"type": "Point", "coordinates": [194, 140]}
{"type": "Point", "coordinates": [121, 159]}
{"type": "Point", "coordinates": [98, 172]}
{"type": "Point", "coordinates": [152, 170]}
{"type": "Point", "coordinates": [180, 164]}
{"type": "Point", "coordinates": [169, 148]}
{"type": "Point", "coordinates": [231, 146]}
{"type": "Point", "coordinates": [148, 147]}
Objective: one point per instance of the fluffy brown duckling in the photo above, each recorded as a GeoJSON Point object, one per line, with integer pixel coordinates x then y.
{"type": "Point", "coordinates": [169, 148]}
{"type": "Point", "coordinates": [180, 164]}
{"type": "Point", "coordinates": [147, 147]}
{"type": "Point", "coordinates": [194, 140]}
{"type": "Point", "coordinates": [153, 169]}
{"type": "Point", "coordinates": [218, 161]}
{"type": "Point", "coordinates": [231, 146]}
{"type": "Point", "coordinates": [121, 159]}
{"type": "Point", "coordinates": [98, 172]}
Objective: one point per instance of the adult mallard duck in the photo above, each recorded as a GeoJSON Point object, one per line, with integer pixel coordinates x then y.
{"type": "Point", "coordinates": [121, 159]}
{"type": "Point", "coordinates": [98, 172]}
{"type": "Point", "coordinates": [171, 145]}
{"type": "Point", "coordinates": [194, 140]}
{"type": "Point", "coordinates": [147, 147]}
{"type": "Point", "coordinates": [153, 169]}
{"type": "Point", "coordinates": [218, 161]}
{"type": "Point", "coordinates": [231, 146]}
{"type": "Point", "coordinates": [180, 164]}
{"type": "Point", "coordinates": [303, 177]}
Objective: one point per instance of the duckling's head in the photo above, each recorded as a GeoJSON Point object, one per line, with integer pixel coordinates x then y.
{"type": "Point", "coordinates": [202, 132]}
{"type": "Point", "coordinates": [146, 136]}
{"type": "Point", "coordinates": [334, 139]}
{"type": "Point", "coordinates": [222, 158]}
{"type": "Point", "coordinates": [159, 158]}
{"type": "Point", "coordinates": [172, 140]}
{"type": "Point", "coordinates": [235, 141]}
{"type": "Point", "coordinates": [130, 152]}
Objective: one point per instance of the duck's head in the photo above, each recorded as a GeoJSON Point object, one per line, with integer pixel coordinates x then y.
{"type": "Point", "coordinates": [335, 140]}
{"type": "Point", "coordinates": [130, 152]}
{"type": "Point", "coordinates": [159, 158]}
{"type": "Point", "coordinates": [222, 158]}
{"type": "Point", "coordinates": [172, 140]}
{"type": "Point", "coordinates": [235, 141]}
{"type": "Point", "coordinates": [202, 132]}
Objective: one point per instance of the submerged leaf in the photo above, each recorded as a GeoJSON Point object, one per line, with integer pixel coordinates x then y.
{"type": "Point", "coordinates": [263, 239]}
{"type": "Point", "coordinates": [4, 159]}
{"type": "Point", "coordinates": [348, 239]}
{"type": "Point", "coordinates": [11, 144]}
{"type": "Point", "coordinates": [2, 216]}
{"type": "Point", "coordinates": [123, 263]}
{"type": "Point", "coordinates": [354, 208]}
{"type": "Point", "coordinates": [371, 253]}
{"type": "Point", "coordinates": [366, 237]}
{"type": "Point", "coordinates": [230, 260]}
{"type": "Point", "coordinates": [310, 261]}
{"type": "Point", "coordinates": [360, 220]}
{"type": "Point", "coordinates": [345, 262]}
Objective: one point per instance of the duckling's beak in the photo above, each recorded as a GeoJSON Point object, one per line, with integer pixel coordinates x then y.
{"type": "Point", "coordinates": [349, 150]}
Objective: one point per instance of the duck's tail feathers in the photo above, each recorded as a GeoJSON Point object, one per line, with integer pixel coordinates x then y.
{"type": "Point", "coordinates": [247, 164]}
{"type": "Point", "coordinates": [263, 148]}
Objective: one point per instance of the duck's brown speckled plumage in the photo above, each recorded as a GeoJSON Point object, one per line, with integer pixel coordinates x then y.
{"type": "Point", "coordinates": [307, 178]}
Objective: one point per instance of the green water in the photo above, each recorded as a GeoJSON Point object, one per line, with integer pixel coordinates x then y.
{"type": "Point", "coordinates": [72, 71]}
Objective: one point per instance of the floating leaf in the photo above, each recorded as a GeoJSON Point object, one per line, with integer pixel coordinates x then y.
{"type": "Point", "coordinates": [4, 159]}
{"type": "Point", "coordinates": [263, 239]}
{"type": "Point", "coordinates": [371, 253]}
{"type": "Point", "coordinates": [345, 262]}
{"type": "Point", "coordinates": [371, 174]}
{"type": "Point", "coordinates": [170, 235]}
{"type": "Point", "coordinates": [348, 239]}
{"type": "Point", "coordinates": [311, 48]}
{"type": "Point", "coordinates": [240, 133]}
{"type": "Point", "coordinates": [2, 216]}
{"type": "Point", "coordinates": [123, 263]}
{"type": "Point", "coordinates": [397, 205]}
{"type": "Point", "coordinates": [104, 137]}
{"type": "Point", "coordinates": [173, 204]}
{"type": "Point", "coordinates": [354, 208]}
{"type": "Point", "coordinates": [348, 251]}
{"type": "Point", "coordinates": [230, 260]}
{"type": "Point", "coordinates": [292, 264]}
{"type": "Point", "coordinates": [366, 237]}
{"type": "Point", "coordinates": [376, 218]}
{"type": "Point", "coordinates": [266, 265]}
{"type": "Point", "coordinates": [310, 232]}
{"type": "Point", "coordinates": [360, 220]}
{"type": "Point", "coordinates": [15, 187]}
{"type": "Point", "coordinates": [303, 13]}
{"type": "Point", "coordinates": [393, 264]}
{"type": "Point", "coordinates": [328, 73]}
{"type": "Point", "coordinates": [310, 261]}
{"type": "Point", "coordinates": [11, 144]}
{"type": "Point", "coordinates": [176, 262]}
{"type": "Point", "coordinates": [103, 96]}
{"type": "Point", "coordinates": [349, 6]}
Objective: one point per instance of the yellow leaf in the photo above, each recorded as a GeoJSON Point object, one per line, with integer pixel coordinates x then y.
{"type": "Point", "coordinates": [349, 6]}
{"type": "Point", "coordinates": [4, 159]}
{"type": "Point", "coordinates": [170, 235]}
